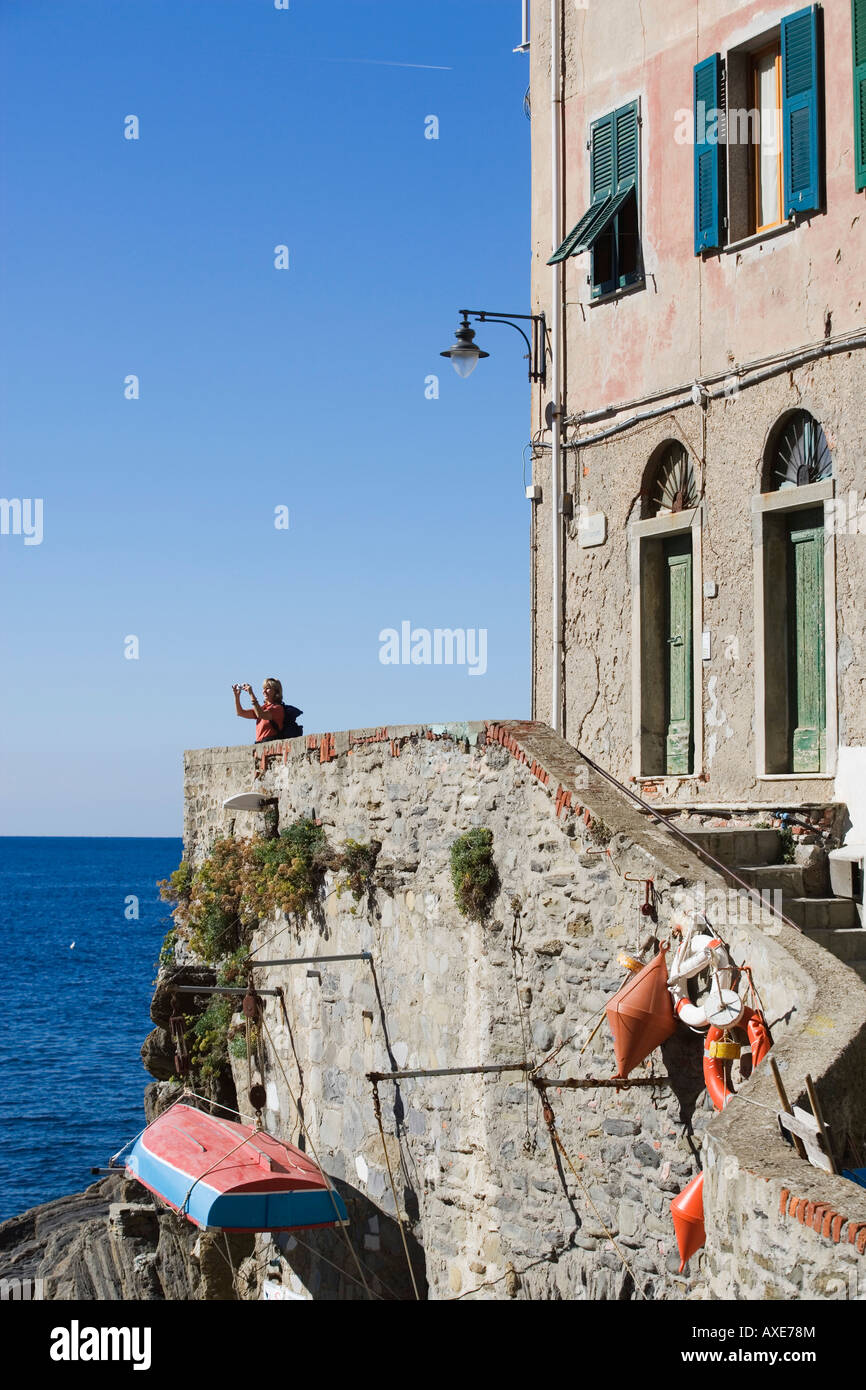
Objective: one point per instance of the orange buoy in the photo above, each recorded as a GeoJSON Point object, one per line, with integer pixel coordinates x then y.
{"type": "Point", "coordinates": [687, 1210]}
{"type": "Point", "coordinates": [641, 1015]}
{"type": "Point", "coordinates": [716, 1076]}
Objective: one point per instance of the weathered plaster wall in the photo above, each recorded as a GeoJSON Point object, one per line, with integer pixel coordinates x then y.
{"type": "Point", "coordinates": [490, 1204]}
{"type": "Point", "coordinates": [600, 600]}
{"type": "Point", "coordinates": [694, 317]}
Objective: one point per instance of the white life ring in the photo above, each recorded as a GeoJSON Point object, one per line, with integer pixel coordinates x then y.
{"type": "Point", "coordinates": [722, 1006]}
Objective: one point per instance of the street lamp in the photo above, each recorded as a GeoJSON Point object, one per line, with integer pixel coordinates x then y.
{"type": "Point", "coordinates": [465, 353]}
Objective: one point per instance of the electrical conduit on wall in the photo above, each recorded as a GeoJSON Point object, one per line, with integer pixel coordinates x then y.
{"type": "Point", "coordinates": [556, 366]}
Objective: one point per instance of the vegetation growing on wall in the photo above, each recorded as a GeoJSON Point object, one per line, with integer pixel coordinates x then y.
{"type": "Point", "coordinates": [787, 845]}
{"type": "Point", "coordinates": [166, 950]}
{"type": "Point", "coordinates": [286, 873]}
{"type": "Point", "coordinates": [473, 873]}
{"type": "Point", "coordinates": [357, 864]}
{"type": "Point", "coordinates": [242, 882]}
{"type": "Point", "coordinates": [601, 833]}
{"type": "Point", "coordinates": [207, 1040]}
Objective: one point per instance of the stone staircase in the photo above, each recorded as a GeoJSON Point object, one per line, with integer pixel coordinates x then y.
{"type": "Point", "coordinates": [755, 855]}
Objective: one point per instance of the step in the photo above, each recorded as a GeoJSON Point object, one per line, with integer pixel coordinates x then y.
{"type": "Point", "coordinates": [845, 943]}
{"type": "Point", "coordinates": [859, 967]}
{"type": "Point", "coordinates": [817, 913]}
{"type": "Point", "coordinates": [740, 846]}
{"type": "Point", "coordinates": [787, 878]}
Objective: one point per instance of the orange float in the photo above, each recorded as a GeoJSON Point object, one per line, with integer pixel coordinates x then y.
{"type": "Point", "coordinates": [718, 1051]}
{"type": "Point", "coordinates": [641, 1015]}
{"type": "Point", "coordinates": [687, 1211]}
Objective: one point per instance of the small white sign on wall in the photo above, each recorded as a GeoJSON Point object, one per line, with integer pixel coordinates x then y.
{"type": "Point", "coordinates": [591, 529]}
{"type": "Point", "coordinates": [273, 1290]}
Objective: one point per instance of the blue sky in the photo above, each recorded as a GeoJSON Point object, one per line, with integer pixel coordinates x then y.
{"type": "Point", "coordinates": [259, 387]}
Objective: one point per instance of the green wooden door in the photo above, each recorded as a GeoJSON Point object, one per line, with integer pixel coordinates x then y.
{"type": "Point", "coordinates": [806, 642]}
{"type": "Point", "coordinates": [679, 738]}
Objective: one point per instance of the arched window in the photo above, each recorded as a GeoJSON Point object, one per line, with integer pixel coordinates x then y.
{"type": "Point", "coordinates": [799, 454]}
{"type": "Point", "coordinates": [671, 486]}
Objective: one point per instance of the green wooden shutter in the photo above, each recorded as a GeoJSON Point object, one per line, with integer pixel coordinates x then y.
{"type": "Point", "coordinates": [679, 738]}
{"type": "Point", "coordinates": [601, 170]}
{"type": "Point", "coordinates": [708, 155]}
{"type": "Point", "coordinates": [858, 40]}
{"type": "Point", "coordinates": [626, 146]}
{"type": "Point", "coordinates": [800, 112]}
{"type": "Point", "coordinates": [807, 641]}
{"type": "Point", "coordinates": [613, 164]}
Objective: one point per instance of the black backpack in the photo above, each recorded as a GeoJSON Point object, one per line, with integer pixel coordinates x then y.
{"type": "Point", "coordinates": [291, 728]}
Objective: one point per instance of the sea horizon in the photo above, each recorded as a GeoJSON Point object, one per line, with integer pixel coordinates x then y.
{"type": "Point", "coordinates": [91, 837]}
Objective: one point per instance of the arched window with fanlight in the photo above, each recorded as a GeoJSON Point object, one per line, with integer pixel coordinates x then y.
{"type": "Point", "coordinates": [671, 486]}
{"type": "Point", "coordinates": [799, 453]}
{"type": "Point", "coordinates": [797, 480]}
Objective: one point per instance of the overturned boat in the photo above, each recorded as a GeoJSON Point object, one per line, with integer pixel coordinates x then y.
{"type": "Point", "coordinates": [226, 1176]}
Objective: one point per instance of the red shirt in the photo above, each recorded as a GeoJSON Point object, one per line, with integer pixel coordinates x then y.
{"type": "Point", "coordinates": [266, 728]}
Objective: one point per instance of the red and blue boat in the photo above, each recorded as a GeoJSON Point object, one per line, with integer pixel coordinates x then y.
{"type": "Point", "coordinates": [231, 1177]}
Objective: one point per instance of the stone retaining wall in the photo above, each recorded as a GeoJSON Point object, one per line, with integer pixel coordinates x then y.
{"type": "Point", "coordinates": [492, 1205]}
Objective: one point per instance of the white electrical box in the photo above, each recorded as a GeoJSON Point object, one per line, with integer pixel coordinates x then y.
{"type": "Point", "coordinates": [533, 492]}
{"type": "Point", "coordinates": [847, 867]}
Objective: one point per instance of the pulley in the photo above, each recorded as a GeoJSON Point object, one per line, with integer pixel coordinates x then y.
{"type": "Point", "coordinates": [252, 1005]}
{"type": "Point", "coordinates": [177, 1033]}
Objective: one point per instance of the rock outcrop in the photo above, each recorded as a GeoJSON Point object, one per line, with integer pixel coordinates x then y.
{"type": "Point", "coordinates": [112, 1242]}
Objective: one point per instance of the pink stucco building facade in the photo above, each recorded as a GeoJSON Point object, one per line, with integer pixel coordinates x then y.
{"type": "Point", "coordinates": [699, 524]}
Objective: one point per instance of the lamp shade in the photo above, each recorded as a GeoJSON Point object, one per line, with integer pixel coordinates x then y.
{"type": "Point", "coordinates": [464, 352]}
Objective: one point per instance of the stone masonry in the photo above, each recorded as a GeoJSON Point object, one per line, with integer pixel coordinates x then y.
{"type": "Point", "coordinates": [490, 1204]}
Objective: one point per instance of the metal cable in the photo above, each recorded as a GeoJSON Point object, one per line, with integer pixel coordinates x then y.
{"type": "Point", "coordinates": [550, 1120]}
{"type": "Point", "coordinates": [377, 1110]}
{"type": "Point", "coordinates": [309, 1139]}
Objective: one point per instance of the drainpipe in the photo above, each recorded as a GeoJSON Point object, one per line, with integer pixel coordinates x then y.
{"type": "Point", "coordinates": [556, 366]}
{"type": "Point", "coordinates": [523, 46]}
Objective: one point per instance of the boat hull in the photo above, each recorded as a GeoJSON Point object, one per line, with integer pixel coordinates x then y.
{"type": "Point", "coordinates": [231, 1177]}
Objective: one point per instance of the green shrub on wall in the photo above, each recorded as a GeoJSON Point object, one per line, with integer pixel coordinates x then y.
{"type": "Point", "coordinates": [242, 882]}
{"type": "Point", "coordinates": [208, 1036]}
{"type": "Point", "coordinates": [286, 873]}
{"type": "Point", "coordinates": [473, 873]}
{"type": "Point", "coordinates": [357, 864]}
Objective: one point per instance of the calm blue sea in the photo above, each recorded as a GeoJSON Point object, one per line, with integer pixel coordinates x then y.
{"type": "Point", "coordinates": [71, 1078]}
